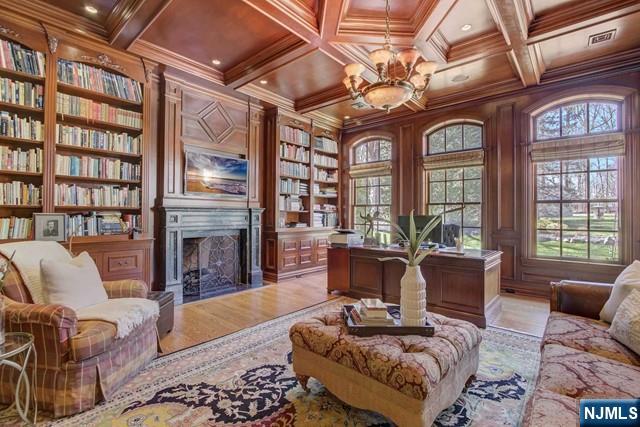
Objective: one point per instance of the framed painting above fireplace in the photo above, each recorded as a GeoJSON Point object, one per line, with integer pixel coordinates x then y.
{"type": "Point", "coordinates": [212, 174]}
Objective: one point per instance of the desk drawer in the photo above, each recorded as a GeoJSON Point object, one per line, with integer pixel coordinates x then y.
{"type": "Point", "coordinates": [123, 263]}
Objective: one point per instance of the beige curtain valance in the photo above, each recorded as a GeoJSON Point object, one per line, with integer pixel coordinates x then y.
{"type": "Point", "coordinates": [370, 169]}
{"type": "Point", "coordinates": [611, 144]}
{"type": "Point", "coordinates": [454, 160]}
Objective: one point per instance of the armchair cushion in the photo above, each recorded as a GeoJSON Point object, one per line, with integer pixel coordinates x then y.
{"type": "Point", "coordinates": [579, 298]}
{"type": "Point", "coordinates": [93, 338]}
{"type": "Point", "coordinates": [127, 288]}
{"type": "Point", "coordinates": [626, 325]}
{"type": "Point", "coordinates": [627, 281]}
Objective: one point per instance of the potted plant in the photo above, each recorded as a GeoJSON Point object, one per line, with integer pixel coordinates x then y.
{"type": "Point", "coordinates": [413, 287]}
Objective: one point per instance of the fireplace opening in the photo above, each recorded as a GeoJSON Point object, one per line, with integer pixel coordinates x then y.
{"type": "Point", "coordinates": [211, 265]}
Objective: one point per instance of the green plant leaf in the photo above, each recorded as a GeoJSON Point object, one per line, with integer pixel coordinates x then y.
{"type": "Point", "coordinates": [395, 258]}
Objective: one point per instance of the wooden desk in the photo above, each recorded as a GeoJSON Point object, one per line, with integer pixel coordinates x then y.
{"type": "Point", "coordinates": [461, 286]}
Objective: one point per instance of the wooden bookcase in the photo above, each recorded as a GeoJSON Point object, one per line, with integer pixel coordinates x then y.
{"type": "Point", "coordinates": [294, 197]}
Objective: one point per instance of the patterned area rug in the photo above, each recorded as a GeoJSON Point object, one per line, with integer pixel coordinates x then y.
{"type": "Point", "coordinates": [245, 379]}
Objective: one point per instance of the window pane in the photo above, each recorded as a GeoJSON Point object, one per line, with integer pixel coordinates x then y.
{"type": "Point", "coordinates": [604, 246]}
{"type": "Point", "coordinates": [472, 137]}
{"type": "Point", "coordinates": [548, 216]}
{"type": "Point", "coordinates": [454, 138]}
{"type": "Point", "coordinates": [453, 217]}
{"type": "Point", "coordinates": [548, 187]}
{"type": "Point", "coordinates": [472, 238]}
{"type": "Point", "coordinates": [548, 167]}
{"type": "Point", "coordinates": [373, 149]}
{"type": "Point", "coordinates": [574, 120]}
{"type": "Point", "coordinates": [436, 209]}
{"type": "Point", "coordinates": [385, 150]}
{"type": "Point", "coordinates": [385, 180]}
{"type": "Point", "coordinates": [436, 142]}
{"type": "Point", "coordinates": [473, 190]}
{"type": "Point", "coordinates": [455, 173]}
{"type": "Point", "coordinates": [548, 125]}
{"type": "Point", "coordinates": [473, 172]}
{"type": "Point", "coordinates": [574, 165]}
{"type": "Point", "coordinates": [373, 180]}
{"type": "Point", "coordinates": [548, 243]}
{"type": "Point", "coordinates": [454, 191]}
{"type": "Point", "coordinates": [361, 195]}
{"type": "Point", "coordinates": [361, 182]}
{"type": "Point", "coordinates": [385, 195]}
{"type": "Point", "coordinates": [603, 185]}
{"type": "Point", "coordinates": [602, 163]}
{"type": "Point", "coordinates": [359, 212]}
{"type": "Point", "coordinates": [575, 216]}
{"type": "Point", "coordinates": [361, 153]}
{"type": "Point", "coordinates": [574, 186]}
{"type": "Point", "coordinates": [436, 192]}
{"type": "Point", "coordinates": [575, 244]}
{"type": "Point", "coordinates": [603, 117]}
{"type": "Point", "coordinates": [374, 196]}
{"type": "Point", "coordinates": [604, 216]}
{"type": "Point", "coordinates": [472, 217]}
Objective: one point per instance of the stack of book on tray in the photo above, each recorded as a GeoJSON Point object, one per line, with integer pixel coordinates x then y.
{"type": "Point", "coordinates": [371, 312]}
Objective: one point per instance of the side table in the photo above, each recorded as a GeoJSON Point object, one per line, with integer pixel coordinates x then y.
{"type": "Point", "coordinates": [19, 345]}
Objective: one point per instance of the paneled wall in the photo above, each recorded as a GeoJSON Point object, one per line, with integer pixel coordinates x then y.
{"type": "Point", "coordinates": [506, 141]}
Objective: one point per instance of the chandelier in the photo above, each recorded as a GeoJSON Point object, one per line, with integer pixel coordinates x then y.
{"type": "Point", "coordinates": [395, 85]}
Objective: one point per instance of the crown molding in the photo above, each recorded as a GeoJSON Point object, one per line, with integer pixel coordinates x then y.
{"type": "Point", "coordinates": [267, 96]}
{"type": "Point", "coordinates": [322, 99]}
{"type": "Point", "coordinates": [324, 120]}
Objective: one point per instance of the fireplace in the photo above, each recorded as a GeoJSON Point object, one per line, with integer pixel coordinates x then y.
{"type": "Point", "coordinates": [209, 252]}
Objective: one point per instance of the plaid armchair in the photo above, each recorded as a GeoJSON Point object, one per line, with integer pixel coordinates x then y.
{"type": "Point", "coordinates": [79, 362]}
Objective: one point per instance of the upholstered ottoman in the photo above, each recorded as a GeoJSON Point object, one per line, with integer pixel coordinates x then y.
{"type": "Point", "coordinates": [408, 379]}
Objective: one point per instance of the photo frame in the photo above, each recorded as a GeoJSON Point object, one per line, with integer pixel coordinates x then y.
{"type": "Point", "coordinates": [50, 226]}
{"type": "Point", "coordinates": [212, 174]}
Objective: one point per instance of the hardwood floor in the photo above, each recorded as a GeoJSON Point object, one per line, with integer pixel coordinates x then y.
{"type": "Point", "coordinates": [205, 320]}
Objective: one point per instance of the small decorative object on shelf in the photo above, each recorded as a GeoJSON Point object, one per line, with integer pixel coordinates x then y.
{"type": "Point", "coordinates": [50, 226]}
{"type": "Point", "coordinates": [413, 287]}
{"type": "Point", "coordinates": [4, 268]}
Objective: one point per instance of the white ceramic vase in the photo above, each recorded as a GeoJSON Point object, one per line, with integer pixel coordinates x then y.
{"type": "Point", "coordinates": [413, 297]}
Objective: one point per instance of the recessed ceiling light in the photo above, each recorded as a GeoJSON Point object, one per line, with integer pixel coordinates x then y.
{"type": "Point", "coordinates": [466, 27]}
{"type": "Point", "coordinates": [263, 82]}
{"type": "Point", "coordinates": [216, 62]}
{"type": "Point", "coordinates": [347, 117]}
{"type": "Point", "coordinates": [92, 10]}
{"type": "Point", "coordinates": [80, 31]}
{"type": "Point", "coordinates": [460, 78]}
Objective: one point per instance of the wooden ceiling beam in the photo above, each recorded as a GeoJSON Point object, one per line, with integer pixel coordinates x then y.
{"type": "Point", "coordinates": [575, 17]}
{"type": "Point", "coordinates": [484, 46]}
{"type": "Point", "coordinates": [431, 22]}
{"type": "Point", "coordinates": [130, 18]}
{"type": "Point", "coordinates": [322, 99]}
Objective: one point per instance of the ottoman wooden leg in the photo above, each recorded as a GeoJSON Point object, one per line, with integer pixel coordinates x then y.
{"type": "Point", "coordinates": [471, 379]}
{"type": "Point", "coordinates": [303, 380]}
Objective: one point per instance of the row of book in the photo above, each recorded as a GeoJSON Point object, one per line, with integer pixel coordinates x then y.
{"type": "Point", "coordinates": [102, 223]}
{"type": "Point", "coordinates": [16, 57]}
{"type": "Point", "coordinates": [294, 186]}
{"type": "Point", "coordinates": [89, 109]}
{"type": "Point", "coordinates": [15, 228]}
{"type": "Point", "coordinates": [21, 93]}
{"type": "Point", "coordinates": [20, 160]}
{"type": "Point", "coordinates": [325, 175]}
{"type": "Point", "coordinates": [326, 144]}
{"type": "Point", "coordinates": [99, 80]}
{"type": "Point", "coordinates": [294, 152]}
{"type": "Point", "coordinates": [103, 196]}
{"type": "Point", "coordinates": [325, 207]}
{"type": "Point", "coordinates": [294, 169]}
{"type": "Point", "coordinates": [290, 203]}
{"type": "Point", "coordinates": [99, 140]}
{"type": "Point", "coordinates": [97, 167]}
{"type": "Point", "coordinates": [21, 127]}
{"type": "Point", "coordinates": [294, 135]}
{"type": "Point", "coordinates": [20, 193]}
{"type": "Point", "coordinates": [325, 219]}
{"type": "Point", "coordinates": [319, 159]}
{"type": "Point", "coordinates": [325, 192]}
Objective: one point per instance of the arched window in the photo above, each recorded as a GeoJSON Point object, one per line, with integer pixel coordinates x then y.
{"type": "Point", "coordinates": [453, 178]}
{"type": "Point", "coordinates": [576, 190]}
{"type": "Point", "coordinates": [371, 184]}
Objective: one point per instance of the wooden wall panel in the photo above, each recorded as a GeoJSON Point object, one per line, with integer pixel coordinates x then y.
{"type": "Point", "coordinates": [505, 142]}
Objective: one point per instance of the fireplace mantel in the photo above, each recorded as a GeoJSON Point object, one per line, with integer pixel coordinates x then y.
{"type": "Point", "coordinates": [180, 223]}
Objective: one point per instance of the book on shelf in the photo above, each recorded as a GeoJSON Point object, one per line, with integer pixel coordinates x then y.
{"type": "Point", "coordinates": [325, 175]}
{"type": "Point", "coordinates": [102, 223]}
{"type": "Point", "coordinates": [15, 126]}
{"type": "Point", "coordinates": [290, 203]}
{"type": "Point", "coordinates": [21, 160]}
{"type": "Point", "coordinates": [16, 57]}
{"type": "Point", "coordinates": [325, 219]}
{"type": "Point", "coordinates": [101, 196]}
{"type": "Point", "coordinates": [98, 140]}
{"type": "Point", "coordinates": [294, 169]}
{"type": "Point", "coordinates": [101, 111]}
{"type": "Point", "coordinates": [97, 167]}
{"type": "Point", "coordinates": [295, 224]}
{"type": "Point", "coordinates": [21, 93]}
{"type": "Point", "coordinates": [294, 135]}
{"type": "Point", "coordinates": [294, 187]}
{"type": "Point", "coordinates": [319, 159]}
{"type": "Point", "coordinates": [326, 144]}
{"type": "Point", "coordinates": [15, 228]}
{"type": "Point", "coordinates": [294, 152]}
{"type": "Point", "coordinates": [327, 191]}
{"type": "Point", "coordinates": [98, 80]}
{"type": "Point", "coordinates": [20, 193]}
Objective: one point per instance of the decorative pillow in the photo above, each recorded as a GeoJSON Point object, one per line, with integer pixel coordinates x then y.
{"type": "Point", "coordinates": [626, 324]}
{"type": "Point", "coordinates": [626, 282]}
{"type": "Point", "coordinates": [75, 283]}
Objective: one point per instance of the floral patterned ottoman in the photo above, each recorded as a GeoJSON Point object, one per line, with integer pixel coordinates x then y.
{"type": "Point", "coordinates": [409, 379]}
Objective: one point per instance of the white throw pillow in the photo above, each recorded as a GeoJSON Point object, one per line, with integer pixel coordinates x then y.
{"type": "Point", "coordinates": [626, 324]}
{"type": "Point", "coordinates": [75, 283]}
{"type": "Point", "coordinates": [626, 282]}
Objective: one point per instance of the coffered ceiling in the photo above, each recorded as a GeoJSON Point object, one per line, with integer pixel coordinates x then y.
{"type": "Point", "coordinates": [291, 52]}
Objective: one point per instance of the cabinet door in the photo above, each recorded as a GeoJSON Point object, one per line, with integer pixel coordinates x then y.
{"type": "Point", "coordinates": [289, 256]}
{"type": "Point", "coordinates": [122, 264]}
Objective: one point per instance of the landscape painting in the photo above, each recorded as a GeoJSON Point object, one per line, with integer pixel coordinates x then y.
{"type": "Point", "coordinates": [213, 174]}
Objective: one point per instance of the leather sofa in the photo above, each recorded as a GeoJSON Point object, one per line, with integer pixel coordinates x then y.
{"type": "Point", "coordinates": [579, 358]}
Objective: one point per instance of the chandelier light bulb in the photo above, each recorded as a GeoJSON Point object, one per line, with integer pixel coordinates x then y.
{"type": "Point", "coordinates": [380, 56]}
{"type": "Point", "coordinates": [354, 69]}
{"type": "Point", "coordinates": [408, 57]}
{"type": "Point", "coordinates": [426, 68]}
{"type": "Point", "coordinates": [418, 81]}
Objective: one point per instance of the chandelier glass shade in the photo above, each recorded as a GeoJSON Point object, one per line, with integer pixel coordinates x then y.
{"type": "Point", "coordinates": [392, 87]}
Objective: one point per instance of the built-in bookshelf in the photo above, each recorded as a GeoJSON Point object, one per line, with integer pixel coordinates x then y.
{"type": "Point", "coordinates": [325, 179]}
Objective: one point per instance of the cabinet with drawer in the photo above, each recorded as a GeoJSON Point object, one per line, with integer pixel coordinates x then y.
{"type": "Point", "coordinates": [293, 253]}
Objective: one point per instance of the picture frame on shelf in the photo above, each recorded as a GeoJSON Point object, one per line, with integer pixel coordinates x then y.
{"type": "Point", "coordinates": [50, 226]}
{"type": "Point", "coordinates": [212, 174]}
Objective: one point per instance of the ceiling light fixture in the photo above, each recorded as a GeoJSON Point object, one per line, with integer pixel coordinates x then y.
{"type": "Point", "coordinates": [466, 27]}
{"type": "Point", "coordinates": [216, 62]}
{"type": "Point", "coordinates": [263, 82]}
{"type": "Point", "coordinates": [347, 117]}
{"type": "Point", "coordinates": [92, 10]}
{"type": "Point", "coordinates": [459, 78]}
{"type": "Point", "coordinates": [392, 88]}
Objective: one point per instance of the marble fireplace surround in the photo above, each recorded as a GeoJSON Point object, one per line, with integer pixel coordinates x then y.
{"type": "Point", "coordinates": [178, 224]}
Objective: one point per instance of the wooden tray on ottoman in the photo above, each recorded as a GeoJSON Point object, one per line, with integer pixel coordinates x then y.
{"type": "Point", "coordinates": [397, 329]}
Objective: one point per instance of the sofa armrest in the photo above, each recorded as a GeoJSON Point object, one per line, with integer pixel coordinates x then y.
{"type": "Point", "coordinates": [128, 288]}
{"type": "Point", "coordinates": [579, 298]}
{"type": "Point", "coordinates": [52, 326]}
